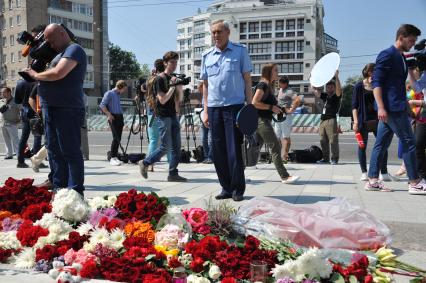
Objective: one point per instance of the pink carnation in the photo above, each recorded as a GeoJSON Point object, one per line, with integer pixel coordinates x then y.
{"type": "Point", "coordinates": [197, 217]}
{"type": "Point", "coordinates": [81, 257]}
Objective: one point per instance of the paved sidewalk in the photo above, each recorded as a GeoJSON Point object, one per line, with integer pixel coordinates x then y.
{"type": "Point", "coordinates": [403, 213]}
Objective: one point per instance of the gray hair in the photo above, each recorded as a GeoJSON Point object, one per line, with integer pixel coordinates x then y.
{"type": "Point", "coordinates": [221, 21]}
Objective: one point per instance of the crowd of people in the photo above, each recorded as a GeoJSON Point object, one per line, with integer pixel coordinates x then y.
{"type": "Point", "coordinates": [379, 106]}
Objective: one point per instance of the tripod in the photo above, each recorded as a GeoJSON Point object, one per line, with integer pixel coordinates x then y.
{"type": "Point", "coordinates": [187, 111]}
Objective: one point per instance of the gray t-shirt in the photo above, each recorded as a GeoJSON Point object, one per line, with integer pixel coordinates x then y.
{"type": "Point", "coordinates": [11, 115]}
{"type": "Point", "coordinates": [66, 92]}
{"type": "Point", "coordinates": [285, 97]}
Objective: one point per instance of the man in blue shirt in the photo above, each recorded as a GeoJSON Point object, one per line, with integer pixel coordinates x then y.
{"type": "Point", "coordinates": [110, 105]}
{"type": "Point", "coordinates": [390, 74]}
{"type": "Point", "coordinates": [61, 92]}
{"type": "Point", "coordinates": [226, 79]}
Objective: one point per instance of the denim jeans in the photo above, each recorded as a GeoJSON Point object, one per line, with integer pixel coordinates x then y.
{"type": "Point", "coordinates": [362, 155]}
{"type": "Point", "coordinates": [207, 142]}
{"type": "Point", "coordinates": [63, 134]}
{"type": "Point", "coordinates": [153, 135]}
{"type": "Point", "coordinates": [25, 134]}
{"type": "Point", "coordinates": [169, 132]}
{"type": "Point", "coordinates": [399, 124]}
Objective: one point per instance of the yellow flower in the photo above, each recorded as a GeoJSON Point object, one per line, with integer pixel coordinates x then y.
{"type": "Point", "coordinates": [163, 249]}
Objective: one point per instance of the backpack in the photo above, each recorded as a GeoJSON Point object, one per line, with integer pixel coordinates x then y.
{"type": "Point", "coordinates": [309, 155]}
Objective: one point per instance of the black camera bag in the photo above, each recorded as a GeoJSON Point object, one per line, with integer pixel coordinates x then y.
{"type": "Point", "coordinates": [37, 126]}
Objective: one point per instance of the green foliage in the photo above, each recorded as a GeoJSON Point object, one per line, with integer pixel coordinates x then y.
{"type": "Point", "coordinates": [145, 71]}
{"type": "Point", "coordinates": [123, 64]}
{"type": "Point", "coordinates": [220, 218]}
{"type": "Point", "coordinates": [346, 109]}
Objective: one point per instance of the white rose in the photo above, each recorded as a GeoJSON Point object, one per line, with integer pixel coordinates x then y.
{"type": "Point", "coordinates": [214, 272]}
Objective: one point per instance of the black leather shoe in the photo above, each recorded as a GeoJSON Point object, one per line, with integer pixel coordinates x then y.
{"type": "Point", "coordinates": [8, 157]}
{"type": "Point", "coordinates": [236, 197]}
{"type": "Point", "coordinates": [22, 165]}
{"type": "Point", "coordinates": [176, 178]}
{"type": "Point", "coordinates": [42, 165]}
{"type": "Point", "coordinates": [223, 196]}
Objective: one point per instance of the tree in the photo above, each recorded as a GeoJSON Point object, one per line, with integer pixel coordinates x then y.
{"type": "Point", "coordinates": [346, 109]}
{"type": "Point", "coordinates": [123, 64]}
{"type": "Point", "coordinates": [145, 71]}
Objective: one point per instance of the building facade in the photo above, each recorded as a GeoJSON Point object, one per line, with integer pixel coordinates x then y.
{"type": "Point", "coordinates": [288, 33]}
{"type": "Point", "coordinates": [87, 19]}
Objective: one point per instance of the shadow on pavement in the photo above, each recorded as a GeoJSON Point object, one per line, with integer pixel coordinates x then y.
{"type": "Point", "coordinates": [123, 188]}
{"type": "Point", "coordinates": [178, 201]}
{"type": "Point", "coordinates": [326, 182]}
{"type": "Point", "coordinates": [302, 199]}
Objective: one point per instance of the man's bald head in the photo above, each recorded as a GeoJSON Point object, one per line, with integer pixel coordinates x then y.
{"type": "Point", "coordinates": [57, 37]}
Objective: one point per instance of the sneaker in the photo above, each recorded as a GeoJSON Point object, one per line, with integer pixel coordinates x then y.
{"type": "Point", "coordinates": [376, 186]}
{"type": "Point", "coordinates": [418, 189]}
{"type": "Point", "coordinates": [364, 177]}
{"type": "Point", "coordinates": [290, 180]}
{"type": "Point", "coordinates": [22, 165]}
{"type": "Point", "coordinates": [207, 161]}
{"type": "Point", "coordinates": [176, 178]}
{"type": "Point", "coordinates": [114, 161]}
{"type": "Point", "coordinates": [334, 162]}
{"type": "Point", "coordinates": [143, 169]}
{"type": "Point", "coordinates": [323, 161]}
{"type": "Point", "coordinates": [386, 177]}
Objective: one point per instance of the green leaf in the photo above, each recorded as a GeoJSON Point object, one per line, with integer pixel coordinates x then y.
{"type": "Point", "coordinates": [417, 280]}
{"type": "Point", "coordinates": [149, 257]}
{"type": "Point", "coordinates": [337, 278]}
{"type": "Point", "coordinates": [352, 279]}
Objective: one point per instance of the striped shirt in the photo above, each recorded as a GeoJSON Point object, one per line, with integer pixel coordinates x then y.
{"type": "Point", "coordinates": [111, 101]}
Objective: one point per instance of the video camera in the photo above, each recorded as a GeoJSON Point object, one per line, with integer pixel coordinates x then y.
{"type": "Point", "coordinates": [417, 58]}
{"type": "Point", "coordinates": [39, 50]}
{"type": "Point", "coordinates": [181, 79]}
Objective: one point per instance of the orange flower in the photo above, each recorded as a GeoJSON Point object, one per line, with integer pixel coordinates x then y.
{"type": "Point", "coordinates": [140, 229]}
{"type": "Point", "coordinates": [150, 236]}
{"type": "Point", "coordinates": [4, 214]}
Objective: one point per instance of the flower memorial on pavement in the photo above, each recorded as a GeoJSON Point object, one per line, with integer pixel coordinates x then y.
{"type": "Point", "coordinates": [133, 237]}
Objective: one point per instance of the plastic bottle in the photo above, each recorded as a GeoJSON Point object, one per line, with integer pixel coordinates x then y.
{"type": "Point", "coordinates": [359, 139]}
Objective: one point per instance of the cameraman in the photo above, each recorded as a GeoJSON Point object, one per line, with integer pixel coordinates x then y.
{"type": "Point", "coordinates": [61, 92]}
{"type": "Point", "coordinates": [166, 109]}
{"type": "Point", "coordinates": [9, 119]}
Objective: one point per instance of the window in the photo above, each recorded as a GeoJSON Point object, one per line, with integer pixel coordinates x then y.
{"type": "Point", "coordinates": [266, 35]}
{"type": "Point", "coordinates": [300, 23]}
{"type": "Point", "coordinates": [308, 43]}
{"type": "Point", "coordinates": [284, 46]}
{"type": "Point", "coordinates": [308, 21]}
{"type": "Point", "coordinates": [290, 68]}
{"type": "Point", "coordinates": [300, 45]}
{"type": "Point", "coordinates": [12, 57]}
{"type": "Point", "coordinates": [254, 27]}
{"type": "Point", "coordinates": [243, 36]}
{"type": "Point", "coordinates": [18, 20]}
{"type": "Point", "coordinates": [299, 55]}
{"type": "Point", "coordinates": [243, 27]}
{"type": "Point", "coordinates": [182, 44]}
{"type": "Point", "coordinates": [181, 31]}
{"type": "Point", "coordinates": [90, 60]}
{"type": "Point", "coordinates": [300, 33]}
{"type": "Point", "coordinates": [4, 58]}
{"type": "Point", "coordinates": [305, 88]}
{"type": "Point", "coordinates": [199, 49]}
{"type": "Point", "coordinates": [307, 65]}
{"type": "Point", "coordinates": [266, 26]}
{"type": "Point", "coordinates": [290, 24]}
{"type": "Point", "coordinates": [279, 34]}
{"type": "Point", "coordinates": [189, 55]}
{"type": "Point", "coordinates": [10, 4]}
{"type": "Point", "coordinates": [257, 68]}
{"type": "Point", "coordinates": [253, 36]}
{"type": "Point", "coordinates": [199, 35]}
{"type": "Point", "coordinates": [199, 23]}
{"type": "Point", "coordinates": [290, 34]}
{"type": "Point", "coordinates": [279, 25]}
{"type": "Point", "coordinates": [19, 56]}
{"type": "Point", "coordinates": [12, 40]}
{"type": "Point", "coordinates": [189, 29]}
{"type": "Point", "coordinates": [4, 41]}
{"type": "Point", "coordinates": [261, 47]}
{"type": "Point", "coordinates": [189, 42]}
{"type": "Point", "coordinates": [182, 68]}
{"type": "Point", "coordinates": [189, 67]}
{"type": "Point", "coordinates": [11, 22]}
{"type": "Point", "coordinates": [260, 57]}
{"type": "Point", "coordinates": [12, 74]}
{"type": "Point", "coordinates": [284, 56]}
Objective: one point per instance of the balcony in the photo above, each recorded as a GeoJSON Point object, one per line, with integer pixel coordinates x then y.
{"type": "Point", "coordinates": [197, 55]}
{"type": "Point", "coordinates": [200, 29]}
{"type": "Point", "coordinates": [199, 42]}
{"type": "Point", "coordinates": [197, 69]}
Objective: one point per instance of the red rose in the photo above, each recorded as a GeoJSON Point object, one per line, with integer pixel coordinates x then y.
{"type": "Point", "coordinates": [48, 252]}
{"type": "Point", "coordinates": [251, 243]}
{"type": "Point", "coordinates": [35, 212]}
{"type": "Point", "coordinates": [26, 183]}
{"type": "Point", "coordinates": [174, 262]}
{"type": "Point", "coordinates": [115, 223]}
{"type": "Point", "coordinates": [28, 234]}
{"type": "Point", "coordinates": [203, 230]}
{"type": "Point", "coordinates": [5, 254]}
{"type": "Point", "coordinates": [89, 269]}
{"type": "Point", "coordinates": [197, 265]}
{"type": "Point", "coordinates": [229, 280]}
{"type": "Point", "coordinates": [368, 279]}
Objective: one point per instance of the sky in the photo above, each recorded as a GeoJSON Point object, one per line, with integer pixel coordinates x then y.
{"type": "Point", "coordinates": [362, 27]}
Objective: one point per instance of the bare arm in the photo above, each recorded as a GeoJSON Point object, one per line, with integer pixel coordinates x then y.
{"type": "Point", "coordinates": [64, 67]}
{"type": "Point", "coordinates": [248, 92]}
{"type": "Point", "coordinates": [381, 111]}
{"type": "Point", "coordinates": [32, 102]}
{"type": "Point", "coordinates": [338, 84]}
{"type": "Point", "coordinates": [257, 102]}
{"type": "Point", "coordinates": [106, 112]}
{"type": "Point", "coordinates": [355, 116]}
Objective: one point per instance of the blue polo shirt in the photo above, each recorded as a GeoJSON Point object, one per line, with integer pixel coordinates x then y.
{"type": "Point", "coordinates": [111, 101]}
{"type": "Point", "coordinates": [224, 72]}
{"type": "Point", "coordinates": [390, 74]}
